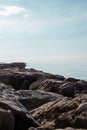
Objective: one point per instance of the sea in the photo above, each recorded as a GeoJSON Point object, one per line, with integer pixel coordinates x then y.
{"type": "Point", "coordinates": [78, 71]}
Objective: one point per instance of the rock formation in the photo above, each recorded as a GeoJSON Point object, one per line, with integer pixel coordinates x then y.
{"type": "Point", "coordinates": [35, 100]}
{"type": "Point", "coordinates": [6, 120]}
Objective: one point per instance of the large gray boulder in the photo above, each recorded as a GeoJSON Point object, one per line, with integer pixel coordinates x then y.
{"type": "Point", "coordinates": [32, 99]}
{"type": "Point", "coordinates": [22, 118]}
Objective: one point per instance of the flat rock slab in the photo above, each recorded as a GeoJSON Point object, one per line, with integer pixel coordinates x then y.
{"type": "Point", "coordinates": [32, 99]}
{"type": "Point", "coordinates": [21, 115]}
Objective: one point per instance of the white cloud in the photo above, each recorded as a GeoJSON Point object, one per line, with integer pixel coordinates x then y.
{"type": "Point", "coordinates": [11, 10]}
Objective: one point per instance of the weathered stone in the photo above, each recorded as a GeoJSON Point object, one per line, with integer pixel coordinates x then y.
{"type": "Point", "coordinates": [56, 113]}
{"type": "Point", "coordinates": [71, 80]}
{"type": "Point", "coordinates": [32, 99]}
{"type": "Point", "coordinates": [6, 120]}
{"type": "Point", "coordinates": [20, 113]}
{"type": "Point", "coordinates": [49, 85]}
{"type": "Point", "coordinates": [41, 128]}
{"type": "Point", "coordinates": [47, 128]}
{"type": "Point", "coordinates": [17, 76]}
{"type": "Point", "coordinates": [67, 89]}
{"type": "Point", "coordinates": [19, 65]}
{"type": "Point", "coordinates": [80, 121]}
{"type": "Point", "coordinates": [82, 107]}
{"type": "Point", "coordinates": [69, 128]}
{"type": "Point", "coordinates": [71, 88]}
{"type": "Point", "coordinates": [61, 114]}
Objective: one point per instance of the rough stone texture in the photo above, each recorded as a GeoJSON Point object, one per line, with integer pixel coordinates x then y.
{"type": "Point", "coordinates": [17, 76]}
{"type": "Point", "coordinates": [67, 89]}
{"type": "Point", "coordinates": [82, 107]}
{"type": "Point", "coordinates": [22, 89]}
{"type": "Point", "coordinates": [50, 114]}
{"type": "Point", "coordinates": [71, 80]}
{"type": "Point", "coordinates": [6, 120]}
{"type": "Point", "coordinates": [34, 98]}
{"type": "Point", "coordinates": [50, 85]}
{"type": "Point", "coordinates": [48, 128]}
{"type": "Point", "coordinates": [19, 65]}
{"type": "Point", "coordinates": [41, 128]}
{"type": "Point", "coordinates": [20, 113]}
{"type": "Point", "coordinates": [61, 114]}
{"type": "Point", "coordinates": [71, 88]}
{"type": "Point", "coordinates": [69, 128]}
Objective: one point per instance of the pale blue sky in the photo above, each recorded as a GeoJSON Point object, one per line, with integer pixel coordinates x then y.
{"type": "Point", "coordinates": [44, 33]}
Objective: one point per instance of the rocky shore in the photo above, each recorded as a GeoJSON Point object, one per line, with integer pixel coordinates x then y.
{"type": "Point", "coordinates": [35, 100]}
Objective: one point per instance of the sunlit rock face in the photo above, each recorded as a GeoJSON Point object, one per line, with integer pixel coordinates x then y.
{"type": "Point", "coordinates": [35, 100]}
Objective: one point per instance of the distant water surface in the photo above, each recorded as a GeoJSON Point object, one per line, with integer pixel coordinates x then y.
{"type": "Point", "coordinates": [68, 70]}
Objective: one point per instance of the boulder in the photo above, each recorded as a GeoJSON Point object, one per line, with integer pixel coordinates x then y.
{"type": "Point", "coordinates": [19, 112]}
{"type": "Point", "coordinates": [48, 128]}
{"type": "Point", "coordinates": [19, 65]}
{"type": "Point", "coordinates": [81, 85]}
{"type": "Point", "coordinates": [32, 99]}
{"type": "Point", "coordinates": [35, 85]}
{"type": "Point", "coordinates": [69, 89]}
{"type": "Point", "coordinates": [17, 79]}
{"type": "Point", "coordinates": [69, 128]}
{"type": "Point", "coordinates": [41, 128]}
{"type": "Point", "coordinates": [49, 85]}
{"type": "Point", "coordinates": [70, 80]}
{"type": "Point", "coordinates": [56, 114]}
{"type": "Point", "coordinates": [16, 75]}
{"type": "Point", "coordinates": [80, 121]}
{"type": "Point", "coordinates": [54, 102]}
{"type": "Point", "coordinates": [82, 108]}
{"type": "Point", "coordinates": [6, 120]}
{"type": "Point", "coordinates": [81, 97]}
{"type": "Point", "coordinates": [62, 114]}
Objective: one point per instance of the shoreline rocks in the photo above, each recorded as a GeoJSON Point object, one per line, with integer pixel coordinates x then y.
{"type": "Point", "coordinates": [32, 99]}
{"type": "Point", "coordinates": [35, 100]}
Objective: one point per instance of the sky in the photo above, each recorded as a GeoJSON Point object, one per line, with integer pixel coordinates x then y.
{"type": "Point", "coordinates": [46, 34]}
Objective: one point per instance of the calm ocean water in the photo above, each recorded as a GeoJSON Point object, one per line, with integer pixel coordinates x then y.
{"type": "Point", "coordinates": [75, 71]}
{"type": "Point", "coordinates": [79, 74]}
